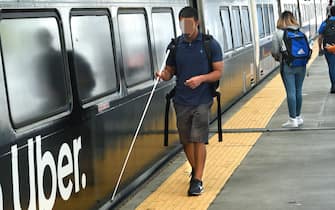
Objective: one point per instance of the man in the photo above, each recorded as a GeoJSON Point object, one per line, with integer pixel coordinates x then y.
{"type": "Point", "coordinates": [193, 98]}
{"type": "Point", "coordinates": [326, 43]}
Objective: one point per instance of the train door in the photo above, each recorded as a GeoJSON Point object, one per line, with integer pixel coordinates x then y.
{"type": "Point", "coordinates": [266, 27]}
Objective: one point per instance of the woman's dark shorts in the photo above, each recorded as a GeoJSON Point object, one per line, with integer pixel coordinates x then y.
{"type": "Point", "coordinates": [193, 122]}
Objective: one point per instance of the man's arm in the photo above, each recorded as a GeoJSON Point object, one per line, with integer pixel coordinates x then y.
{"type": "Point", "coordinates": [214, 75]}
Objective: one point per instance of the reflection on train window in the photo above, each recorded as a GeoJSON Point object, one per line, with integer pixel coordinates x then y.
{"type": "Point", "coordinates": [93, 56]}
{"type": "Point", "coordinates": [286, 7]}
{"type": "Point", "coordinates": [227, 37]}
{"type": "Point", "coordinates": [135, 48]}
{"type": "Point", "coordinates": [304, 12]}
{"type": "Point", "coordinates": [272, 18]}
{"type": "Point", "coordinates": [163, 32]}
{"type": "Point", "coordinates": [34, 69]}
{"type": "Point", "coordinates": [236, 26]}
{"type": "Point", "coordinates": [260, 21]}
{"type": "Point", "coordinates": [266, 19]}
{"type": "Point", "coordinates": [296, 13]}
{"type": "Point", "coordinates": [246, 31]}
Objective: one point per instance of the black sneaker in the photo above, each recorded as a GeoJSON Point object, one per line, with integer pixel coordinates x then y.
{"type": "Point", "coordinates": [196, 187]}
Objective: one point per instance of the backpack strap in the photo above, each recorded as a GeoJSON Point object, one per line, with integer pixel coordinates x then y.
{"type": "Point", "coordinates": [173, 44]}
{"type": "Point", "coordinates": [168, 97]}
{"type": "Point", "coordinates": [286, 55]}
{"type": "Point", "coordinates": [206, 39]}
{"type": "Point", "coordinates": [286, 47]}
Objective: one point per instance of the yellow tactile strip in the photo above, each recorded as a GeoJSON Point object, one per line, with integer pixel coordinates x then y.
{"type": "Point", "coordinates": [222, 158]}
{"type": "Point", "coordinates": [257, 112]}
{"type": "Point", "coordinates": [222, 161]}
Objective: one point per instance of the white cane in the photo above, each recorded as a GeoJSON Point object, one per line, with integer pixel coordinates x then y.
{"type": "Point", "coordinates": [140, 124]}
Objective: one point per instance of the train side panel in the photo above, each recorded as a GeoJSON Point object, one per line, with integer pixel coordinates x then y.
{"type": "Point", "coordinates": [79, 151]}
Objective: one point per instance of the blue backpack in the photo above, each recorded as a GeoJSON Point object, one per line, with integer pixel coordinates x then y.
{"type": "Point", "coordinates": [295, 49]}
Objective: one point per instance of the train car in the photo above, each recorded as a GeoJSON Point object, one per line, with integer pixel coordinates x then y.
{"type": "Point", "coordinates": [75, 77]}
{"type": "Point", "coordinates": [244, 31]}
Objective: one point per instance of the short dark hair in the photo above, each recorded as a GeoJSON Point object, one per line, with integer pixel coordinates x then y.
{"type": "Point", "coordinates": [332, 11]}
{"type": "Point", "coordinates": [188, 12]}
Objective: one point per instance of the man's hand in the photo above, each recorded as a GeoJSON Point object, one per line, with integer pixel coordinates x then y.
{"type": "Point", "coordinates": [194, 82]}
{"type": "Point", "coordinates": [158, 74]}
{"type": "Point", "coordinates": [166, 74]}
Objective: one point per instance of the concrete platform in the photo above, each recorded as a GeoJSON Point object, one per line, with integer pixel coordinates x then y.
{"type": "Point", "coordinates": [293, 169]}
{"type": "Point", "coordinates": [284, 169]}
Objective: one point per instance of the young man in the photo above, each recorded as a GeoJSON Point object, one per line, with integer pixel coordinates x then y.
{"type": "Point", "coordinates": [326, 42]}
{"type": "Point", "coordinates": [193, 98]}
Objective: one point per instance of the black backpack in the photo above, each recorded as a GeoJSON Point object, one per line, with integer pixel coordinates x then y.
{"type": "Point", "coordinates": [206, 39]}
{"type": "Point", "coordinates": [329, 33]}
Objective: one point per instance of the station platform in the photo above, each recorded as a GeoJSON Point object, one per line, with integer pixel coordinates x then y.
{"type": "Point", "coordinates": [259, 165]}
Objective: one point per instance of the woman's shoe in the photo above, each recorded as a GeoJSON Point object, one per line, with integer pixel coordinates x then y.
{"type": "Point", "coordinates": [300, 120]}
{"type": "Point", "coordinates": [291, 123]}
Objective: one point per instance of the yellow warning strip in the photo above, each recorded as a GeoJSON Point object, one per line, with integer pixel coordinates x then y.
{"type": "Point", "coordinates": [222, 158]}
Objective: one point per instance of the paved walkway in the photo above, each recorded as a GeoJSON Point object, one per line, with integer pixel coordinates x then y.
{"type": "Point", "coordinates": [273, 169]}
{"type": "Point", "coordinates": [292, 169]}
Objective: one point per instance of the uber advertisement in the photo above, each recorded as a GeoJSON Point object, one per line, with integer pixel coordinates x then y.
{"type": "Point", "coordinates": [43, 176]}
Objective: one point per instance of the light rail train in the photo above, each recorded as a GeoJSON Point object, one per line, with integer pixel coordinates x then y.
{"type": "Point", "coordinates": [76, 74]}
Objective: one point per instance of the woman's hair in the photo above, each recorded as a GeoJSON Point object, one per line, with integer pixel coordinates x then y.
{"type": "Point", "coordinates": [286, 19]}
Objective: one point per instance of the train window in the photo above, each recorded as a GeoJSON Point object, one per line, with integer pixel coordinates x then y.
{"type": "Point", "coordinates": [93, 56]}
{"type": "Point", "coordinates": [266, 19]}
{"type": "Point", "coordinates": [272, 18]}
{"type": "Point", "coordinates": [227, 36]}
{"type": "Point", "coordinates": [163, 27]}
{"type": "Point", "coordinates": [303, 14]}
{"type": "Point", "coordinates": [236, 26]}
{"type": "Point", "coordinates": [260, 21]}
{"type": "Point", "coordinates": [246, 31]}
{"type": "Point", "coordinates": [34, 68]}
{"type": "Point", "coordinates": [296, 13]}
{"type": "Point", "coordinates": [135, 47]}
{"type": "Point", "coordinates": [287, 7]}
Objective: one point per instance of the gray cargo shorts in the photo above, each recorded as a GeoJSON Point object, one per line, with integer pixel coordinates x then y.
{"type": "Point", "coordinates": [193, 122]}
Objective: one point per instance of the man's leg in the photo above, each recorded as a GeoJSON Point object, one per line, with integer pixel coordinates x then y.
{"type": "Point", "coordinates": [199, 155]}
{"type": "Point", "coordinates": [200, 159]}
{"type": "Point", "coordinates": [189, 152]}
{"type": "Point", "coordinates": [196, 156]}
